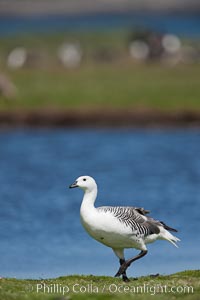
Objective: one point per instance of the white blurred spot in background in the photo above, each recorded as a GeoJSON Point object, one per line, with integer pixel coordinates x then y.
{"type": "Point", "coordinates": [171, 43]}
{"type": "Point", "coordinates": [139, 50]}
{"type": "Point", "coordinates": [70, 55]}
{"type": "Point", "coordinates": [17, 58]}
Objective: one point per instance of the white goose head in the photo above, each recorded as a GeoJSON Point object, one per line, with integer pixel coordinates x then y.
{"type": "Point", "coordinates": [86, 183]}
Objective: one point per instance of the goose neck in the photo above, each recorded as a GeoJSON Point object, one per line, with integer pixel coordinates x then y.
{"type": "Point", "coordinates": [89, 198]}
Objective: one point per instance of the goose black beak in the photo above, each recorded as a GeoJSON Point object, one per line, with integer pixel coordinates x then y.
{"type": "Point", "coordinates": [73, 185]}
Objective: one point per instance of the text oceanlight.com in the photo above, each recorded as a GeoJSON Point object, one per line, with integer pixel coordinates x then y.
{"type": "Point", "coordinates": [110, 288]}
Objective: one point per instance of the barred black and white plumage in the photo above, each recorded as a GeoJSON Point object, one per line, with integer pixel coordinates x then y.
{"type": "Point", "coordinates": [135, 218]}
{"type": "Point", "coordinates": [120, 227]}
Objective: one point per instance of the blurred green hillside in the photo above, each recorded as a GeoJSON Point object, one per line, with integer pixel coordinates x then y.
{"type": "Point", "coordinates": [107, 75]}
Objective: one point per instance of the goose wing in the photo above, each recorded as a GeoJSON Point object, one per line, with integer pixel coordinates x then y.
{"type": "Point", "coordinates": [135, 218]}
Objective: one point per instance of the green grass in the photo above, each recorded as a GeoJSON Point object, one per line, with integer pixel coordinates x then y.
{"type": "Point", "coordinates": [184, 285]}
{"type": "Point", "coordinates": [117, 84]}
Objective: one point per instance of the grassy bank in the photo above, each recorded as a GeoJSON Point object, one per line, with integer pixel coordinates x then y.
{"type": "Point", "coordinates": [115, 82]}
{"type": "Point", "coordinates": [183, 285]}
{"type": "Point", "coordinates": [118, 85]}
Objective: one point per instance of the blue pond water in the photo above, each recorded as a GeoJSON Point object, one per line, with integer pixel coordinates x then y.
{"type": "Point", "coordinates": [40, 230]}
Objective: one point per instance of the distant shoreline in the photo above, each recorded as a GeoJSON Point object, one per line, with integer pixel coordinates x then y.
{"type": "Point", "coordinates": [144, 118]}
{"type": "Point", "coordinates": [63, 7]}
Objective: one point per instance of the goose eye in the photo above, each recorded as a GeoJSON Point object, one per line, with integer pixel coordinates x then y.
{"type": "Point", "coordinates": [84, 179]}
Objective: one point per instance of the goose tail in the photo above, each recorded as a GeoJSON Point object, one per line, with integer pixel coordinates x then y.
{"type": "Point", "coordinates": [166, 235]}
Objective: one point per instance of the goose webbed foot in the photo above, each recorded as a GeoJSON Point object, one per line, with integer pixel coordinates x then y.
{"type": "Point", "coordinates": [125, 278]}
{"type": "Point", "coordinates": [122, 270]}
